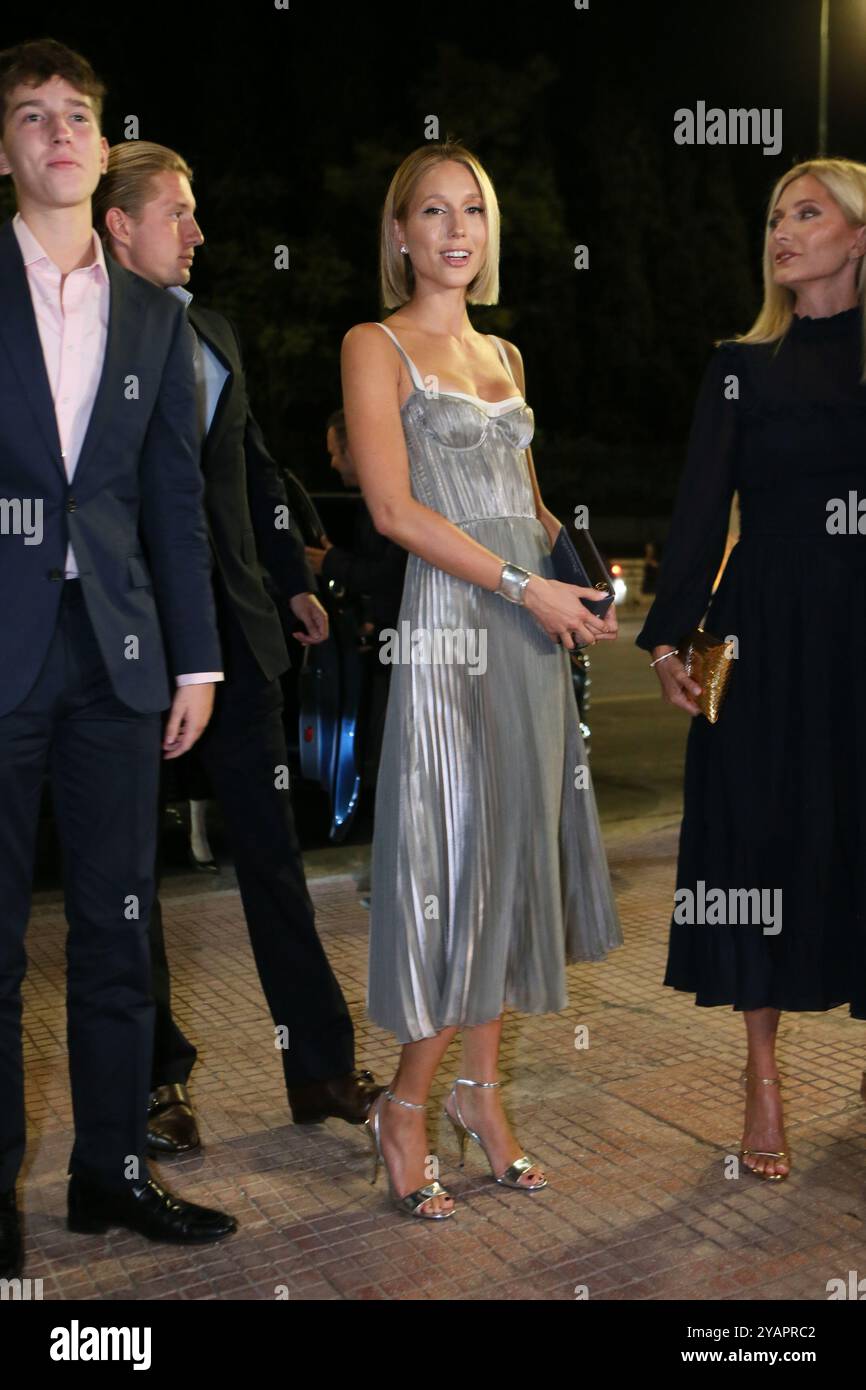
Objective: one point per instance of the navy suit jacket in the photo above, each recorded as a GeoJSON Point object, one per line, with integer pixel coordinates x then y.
{"type": "Point", "coordinates": [133, 511]}
{"type": "Point", "coordinates": [243, 492]}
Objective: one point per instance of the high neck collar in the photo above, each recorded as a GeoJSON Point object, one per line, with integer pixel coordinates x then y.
{"type": "Point", "coordinates": [831, 326]}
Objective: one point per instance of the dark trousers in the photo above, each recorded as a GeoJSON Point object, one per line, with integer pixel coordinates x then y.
{"type": "Point", "coordinates": [103, 762]}
{"type": "Point", "coordinates": [242, 750]}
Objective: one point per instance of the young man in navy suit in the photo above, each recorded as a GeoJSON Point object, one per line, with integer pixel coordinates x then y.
{"type": "Point", "coordinates": [146, 211]}
{"type": "Point", "coordinates": [105, 611]}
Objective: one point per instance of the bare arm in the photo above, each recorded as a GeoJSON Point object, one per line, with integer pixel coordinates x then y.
{"type": "Point", "coordinates": [371, 380]}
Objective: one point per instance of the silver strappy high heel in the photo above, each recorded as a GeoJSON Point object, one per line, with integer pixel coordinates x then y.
{"type": "Point", "coordinates": [413, 1202]}
{"type": "Point", "coordinates": [514, 1171]}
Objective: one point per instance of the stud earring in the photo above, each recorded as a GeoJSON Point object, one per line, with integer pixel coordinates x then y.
{"type": "Point", "coordinates": [404, 250]}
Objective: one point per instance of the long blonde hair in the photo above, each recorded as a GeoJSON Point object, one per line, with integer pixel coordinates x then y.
{"type": "Point", "coordinates": [845, 181]}
{"type": "Point", "coordinates": [396, 277]}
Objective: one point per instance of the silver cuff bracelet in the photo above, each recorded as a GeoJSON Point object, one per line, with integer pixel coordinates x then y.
{"type": "Point", "coordinates": [512, 582]}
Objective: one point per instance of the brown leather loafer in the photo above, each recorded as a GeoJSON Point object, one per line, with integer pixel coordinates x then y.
{"type": "Point", "coordinates": [171, 1126]}
{"type": "Point", "coordinates": [346, 1097]}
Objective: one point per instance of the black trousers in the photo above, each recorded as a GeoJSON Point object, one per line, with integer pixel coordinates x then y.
{"type": "Point", "coordinates": [103, 762]}
{"type": "Point", "coordinates": [241, 750]}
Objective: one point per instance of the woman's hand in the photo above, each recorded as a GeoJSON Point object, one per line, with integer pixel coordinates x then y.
{"type": "Point", "coordinates": [611, 625]}
{"type": "Point", "coordinates": [558, 609]}
{"type": "Point", "coordinates": [676, 685]}
{"type": "Point", "coordinates": [609, 629]}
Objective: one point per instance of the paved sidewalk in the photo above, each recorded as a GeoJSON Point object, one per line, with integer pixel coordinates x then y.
{"type": "Point", "coordinates": [634, 1131]}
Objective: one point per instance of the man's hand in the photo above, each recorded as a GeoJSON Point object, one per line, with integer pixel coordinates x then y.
{"type": "Point", "coordinates": [190, 711]}
{"type": "Point", "coordinates": [313, 616]}
{"type": "Point", "coordinates": [315, 556]}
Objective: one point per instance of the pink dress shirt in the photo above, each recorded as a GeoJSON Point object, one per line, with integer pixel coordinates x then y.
{"type": "Point", "coordinates": [72, 318]}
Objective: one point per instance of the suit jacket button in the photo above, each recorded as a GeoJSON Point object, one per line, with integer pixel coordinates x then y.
{"type": "Point", "coordinates": [71, 505]}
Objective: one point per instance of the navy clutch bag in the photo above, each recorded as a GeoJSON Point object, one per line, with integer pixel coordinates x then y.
{"type": "Point", "coordinates": [581, 564]}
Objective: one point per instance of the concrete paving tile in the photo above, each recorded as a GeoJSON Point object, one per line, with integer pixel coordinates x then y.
{"type": "Point", "coordinates": [635, 1131]}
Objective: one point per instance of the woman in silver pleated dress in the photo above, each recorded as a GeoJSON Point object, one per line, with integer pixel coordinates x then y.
{"type": "Point", "coordinates": [488, 869]}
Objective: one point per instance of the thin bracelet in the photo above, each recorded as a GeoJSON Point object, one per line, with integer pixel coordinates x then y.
{"type": "Point", "coordinates": [664, 657]}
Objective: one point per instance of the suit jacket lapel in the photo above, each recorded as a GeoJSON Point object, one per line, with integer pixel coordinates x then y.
{"type": "Point", "coordinates": [121, 327]}
{"type": "Point", "coordinates": [21, 335]}
{"type": "Point", "coordinates": [223, 347]}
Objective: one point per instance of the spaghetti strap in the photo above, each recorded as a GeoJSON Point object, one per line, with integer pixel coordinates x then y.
{"type": "Point", "coordinates": [416, 375]}
{"type": "Point", "coordinates": [503, 355]}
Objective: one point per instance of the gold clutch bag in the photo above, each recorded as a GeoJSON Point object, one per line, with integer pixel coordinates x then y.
{"type": "Point", "coordinates": [707, 662]}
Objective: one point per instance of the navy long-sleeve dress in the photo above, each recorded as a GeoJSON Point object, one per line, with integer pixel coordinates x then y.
{"type": "Point", "coordinates": [775, 792]}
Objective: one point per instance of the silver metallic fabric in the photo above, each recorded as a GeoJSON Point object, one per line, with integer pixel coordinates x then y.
{"type": "Point", "coordinates": [488, 870]}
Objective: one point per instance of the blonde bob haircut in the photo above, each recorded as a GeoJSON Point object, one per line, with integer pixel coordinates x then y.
{"type": "Point", "coordinates": [845, 181]}
{"type": "Point", "coordinates": [396, 277]}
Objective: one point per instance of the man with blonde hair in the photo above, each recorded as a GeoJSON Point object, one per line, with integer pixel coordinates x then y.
{"type": "Point", "coordinates": [145, 210]}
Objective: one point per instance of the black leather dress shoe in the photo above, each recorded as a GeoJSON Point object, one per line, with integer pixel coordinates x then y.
{"type": "Point", "coordinates": [145, 1207]}
{"type": "Point", "coordinates": [171, 1126]}
{"type": "Point", "coordinates": [11, 1248]}
{"type": "Point", "coordinates": [346, 1097]}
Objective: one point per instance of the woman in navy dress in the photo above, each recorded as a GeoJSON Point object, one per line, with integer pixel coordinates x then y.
{"type": "Point", "coordinates": [775, 791]}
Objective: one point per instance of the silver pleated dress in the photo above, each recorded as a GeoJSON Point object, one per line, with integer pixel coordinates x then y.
{"type": "Point", "coordinates": [488, 871]}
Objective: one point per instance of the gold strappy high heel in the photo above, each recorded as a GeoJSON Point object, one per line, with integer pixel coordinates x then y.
{"type": "Point", "coordinates": [514, 1171]}
{"type": "Point", "coordinates": [413, 1202]}
{"type": "Point", "coordinates": [763, 1153]}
